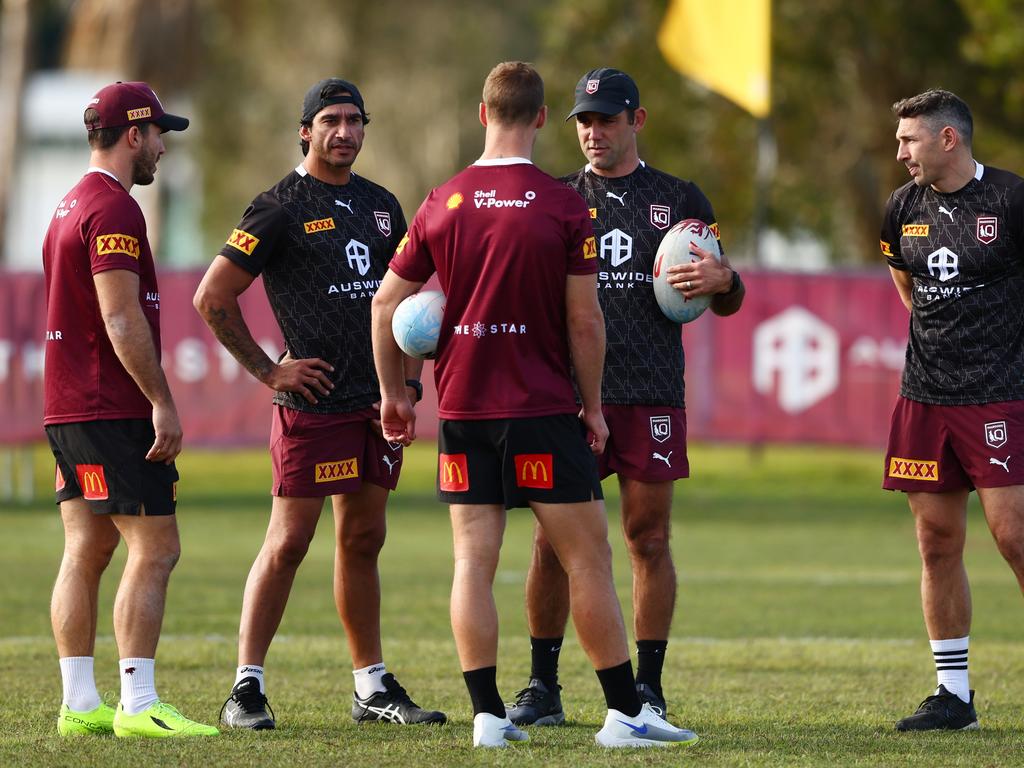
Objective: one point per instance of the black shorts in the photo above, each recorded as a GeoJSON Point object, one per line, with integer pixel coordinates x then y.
{"type": "Point", "coordinates": [105, 463]}
{"type": "Point", "coordinates": [515, 461]}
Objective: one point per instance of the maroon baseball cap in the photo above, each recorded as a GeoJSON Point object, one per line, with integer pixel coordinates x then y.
{"type": "Point", "coordinates": [131, 104]}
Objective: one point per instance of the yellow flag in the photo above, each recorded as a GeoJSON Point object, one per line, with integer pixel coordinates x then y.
{"type": "Point", "coordinates": [723, 44]}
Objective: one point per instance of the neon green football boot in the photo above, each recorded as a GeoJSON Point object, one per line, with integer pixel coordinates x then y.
{"type": "Point", "coordinates": [160, 721]}
{"type": "Point", "coordinates": [94, 722]}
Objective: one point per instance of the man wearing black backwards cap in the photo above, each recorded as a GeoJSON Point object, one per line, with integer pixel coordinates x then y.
{"type": "Point", "coordinates": [110, 419]}
{"type": "Point", "coordinates": [321, 238]}
{"type": "Point", "coordinates": [632, 206]}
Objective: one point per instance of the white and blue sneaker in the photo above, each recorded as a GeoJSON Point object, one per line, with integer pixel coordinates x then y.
{"type": "Point", "coordinates": [647, 729]}
{"type": "Point", "coordinates": [491, 731]}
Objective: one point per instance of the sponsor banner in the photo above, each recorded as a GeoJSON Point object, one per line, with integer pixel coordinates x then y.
{"type": "Point", "coordinates": [809, 358]}
{"type": "Point", "coordinates": [452, 472]}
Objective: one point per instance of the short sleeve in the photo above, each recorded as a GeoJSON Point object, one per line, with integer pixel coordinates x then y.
{"type": "Point", "coordinates": [703, 211]}
{"type": "Point", "coordinates": [581, 241]}
{"type": "Point", "coordinates": [412, 260]}
{"type": "Point", "coordinates": [252, 243]}
{"type": "Point", "coordinates": [116, 236]}
{"type": "Point", "coordinates": [889, 240]}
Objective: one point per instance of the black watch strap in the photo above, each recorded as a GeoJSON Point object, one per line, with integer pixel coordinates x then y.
{"type": "Point", "coordinates": [417, 385]}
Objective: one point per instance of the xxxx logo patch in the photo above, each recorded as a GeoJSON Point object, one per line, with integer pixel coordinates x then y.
{"type": "Point", "coordinates": [912, 469]}
{"type": "Point", "coordinates": [329, 471]}
{"type": "Point", "coordinates": [243, 241]}
{"type": "Point", "coordinates": [320, 225]}
{"type": "Point", "coordinates": [590, 248]}
{"type": "Point", "coordinates": [125, 244]}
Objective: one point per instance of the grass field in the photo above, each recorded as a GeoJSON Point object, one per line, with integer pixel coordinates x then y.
{"type": "Point", "coordinates": [798, 638]}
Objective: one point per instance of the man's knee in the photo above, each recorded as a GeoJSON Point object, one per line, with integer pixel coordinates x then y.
{"type": "Point", "coordinates": [287, 550]}
{"type": "Point", "coordinates": [544, 556]}
{"type": "Point", "coordinates": [647, 539]}
{"type": "Point", "coordinates": [1010, 541]}
{"type": "Point", "coordinates": [939, 545]}
{"type": "Point", "coordinates": [362, 542]}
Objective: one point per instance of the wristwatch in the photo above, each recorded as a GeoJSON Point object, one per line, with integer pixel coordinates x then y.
{"type": "Point", "coordinates": [417, 385]}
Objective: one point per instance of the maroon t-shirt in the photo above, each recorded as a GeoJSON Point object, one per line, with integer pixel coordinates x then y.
{"type": "Point", "coordinates": [96, 227]}
{"type": "Point", "coordinates": [502, 236]}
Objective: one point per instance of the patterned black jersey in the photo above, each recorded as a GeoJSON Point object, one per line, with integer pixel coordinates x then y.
{"type": "Point", "coordinates": [644, 358]}
{"type": "Point", "coordinates": [965, 253]}
{"type": "Point", "coordinates": [322, 250]}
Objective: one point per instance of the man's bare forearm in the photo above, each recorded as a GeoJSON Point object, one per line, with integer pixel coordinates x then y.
{"type": "Point", "coordinates": [132, 339]}
{"type": "Point", "coordinates": [229, 327]}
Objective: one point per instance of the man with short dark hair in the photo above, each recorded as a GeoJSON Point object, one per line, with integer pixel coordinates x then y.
{"type": "Point", "coordinates": [515, 255]}
{"type": "Point", "coordinates": [111, 420]}
{"type": "Point", "coordinates": [953, 239]}
{"type": "Point", "coordinates": [632, 206]}
{"type": "Point", "coordinates": [321, 238]}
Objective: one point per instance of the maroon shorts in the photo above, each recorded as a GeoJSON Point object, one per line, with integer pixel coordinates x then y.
{"type": "Point", "coordinates": [318, 455]}
{"type": "Point", "coordinates": [645, 442]}
{"type": "Point", "coordinates": [948, 447]}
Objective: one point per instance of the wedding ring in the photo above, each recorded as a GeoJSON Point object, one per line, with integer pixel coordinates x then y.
{"type": "Point", "coordinates": [687, 285]}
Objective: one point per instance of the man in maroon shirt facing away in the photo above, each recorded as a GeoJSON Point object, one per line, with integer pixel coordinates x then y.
{"type": "Point", "coordinates": [515, 255]}
{"type": "Point", "coordinates": [110, 419]}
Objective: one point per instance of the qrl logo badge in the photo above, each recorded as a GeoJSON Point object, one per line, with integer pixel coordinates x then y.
{"type": "Point", "coordinates": [995, 434]}
{"type": "Point", "coordinates": [383, 219]}
{"type": "Point", "coordinates": [592, 85]}
{"type": "Point", "coordinates": [661, 428]}
{"type": "Point", "coordinates": [92, 481]}
{"type": "Point", "coordinates": [534, 470]}
{"type": "Point", "coordinates": [660, 216]}
{"type": "Point", "coordinates": [453, 472]}
{"type": "Point", "coordinates": [988, 229]}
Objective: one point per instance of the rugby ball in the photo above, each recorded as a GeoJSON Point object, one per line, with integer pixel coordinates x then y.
{"type": "Point", "coordinates": [416, 324]}
{"type": "Point", "coordinates": [675, 249]}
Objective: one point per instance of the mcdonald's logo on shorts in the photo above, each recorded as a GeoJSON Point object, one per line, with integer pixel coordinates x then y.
{"type": "Point", "coordinates": [92, 481]}
{"type": "Point", "coordinates": [453, 472]}
{"type": "Point", "coordinates": [913, 469]}
{"type": "Point", "coordinates": [534, 470]}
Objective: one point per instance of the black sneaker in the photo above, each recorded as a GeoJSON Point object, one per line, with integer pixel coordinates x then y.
{"type": "Point", "coordinates": [650, 696]}
{"type": "Point", "coordinates": [944, 711]}
{"type": "Point", "coordinates": [393, 706]}
{"type": "Point", "coordinates": [536, 704]}
{"type": "Point", "coordinates": [247, 707]}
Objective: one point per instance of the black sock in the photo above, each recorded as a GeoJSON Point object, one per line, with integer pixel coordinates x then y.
{"type": "Point", "coordinates": [620, 689]}
{"type": "Point", "coordinates": [483, 690]}
{"type": "Point", "coordinates": [544, 659]}
{"type": "Point", "coordinates": [650, 657]}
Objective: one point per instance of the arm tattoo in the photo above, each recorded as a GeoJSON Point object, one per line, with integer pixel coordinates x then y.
{"type": "Point", "coordinates": [231, 331]}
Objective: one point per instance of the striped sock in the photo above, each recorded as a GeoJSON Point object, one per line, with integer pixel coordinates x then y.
{"type": "Point", "coordinates": [951, 665]}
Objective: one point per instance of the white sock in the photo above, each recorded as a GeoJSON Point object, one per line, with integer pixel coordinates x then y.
{"type": "Point", "coordinates": [138, 691]}
{"type": "Point", "coordinates": [76, 674]}
{"type": "Point", "coordinates": [250, 670]}
{"type": "Point", "coordinates": [368, 680]}
{"type": "Point", "coordinates": [951, 665]}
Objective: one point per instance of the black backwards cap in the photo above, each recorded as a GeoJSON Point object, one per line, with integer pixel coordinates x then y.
{"type": "Point", "coordinates": [316, 98]}
{"type": "Point", "coordinates": [605, 90]}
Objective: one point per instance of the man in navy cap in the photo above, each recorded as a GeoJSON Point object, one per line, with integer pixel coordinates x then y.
{"type": "Point", "coordinates": [321, 238]}
{"type": "Point", "coordinates": [111, 420]}
{"type": "Point", "coordinates": [632, 207]}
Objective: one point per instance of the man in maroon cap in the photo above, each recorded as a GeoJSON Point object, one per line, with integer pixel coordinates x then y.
{"type": "Point", "coordinates": [111, 420]}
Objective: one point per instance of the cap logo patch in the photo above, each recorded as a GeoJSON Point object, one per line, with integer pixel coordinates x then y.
{"type": "Point", "coordinates": [592, 85]}
{"type": "Point", "coordinates": [139, 114]}
{"type": "Point", "coordinates": [383, 219]}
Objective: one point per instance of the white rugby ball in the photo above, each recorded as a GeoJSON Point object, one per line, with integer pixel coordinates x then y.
{"type": "Point", "coordinates": [675, 249]}
{"type": "Point", "coordinates": [416, 324]}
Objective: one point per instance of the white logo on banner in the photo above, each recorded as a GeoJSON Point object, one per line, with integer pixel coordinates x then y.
{"type": "Point", "coordinates": [358, 256]}
{"type": "Point", "coordinates": [995, 434]}
{"type": "Point", "coordinates": [796, 354]}
{"type": "Point", "coordinates": [944, 263]}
